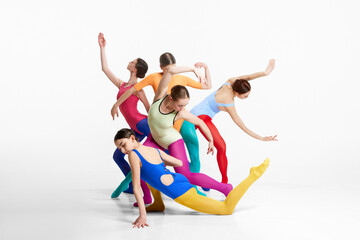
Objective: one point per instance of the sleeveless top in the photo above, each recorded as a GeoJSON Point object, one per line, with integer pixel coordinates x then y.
{"type": "Point", "coordinates": [209, 106]}
{"type": "Point", "coordinates": [151, 173]}
{"type": "Point", "coordinates": [129, 108]}
{"type": "Point", "coordinates": [161, 125]}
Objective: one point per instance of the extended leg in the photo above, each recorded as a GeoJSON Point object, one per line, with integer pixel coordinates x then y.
{"type": "Point", "coordinates": [220, 146]}
{"type": "Point", "coordinates": [188, 133]}
{"type": "Point", "coordinates": [199, 203]}
{"type": "Point", "coordinates": [177, 150]}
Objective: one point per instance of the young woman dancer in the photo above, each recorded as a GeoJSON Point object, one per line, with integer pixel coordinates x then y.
{"type": "Point", "coordinates": [147, 163]}
{"type": "Point", "coordinates": [167, 60]}
{"type": "Point", "coordinates": [137, 121]}
{"type": "Point", "coordinates": [164, 111]}
{"type": "Point", "coordinates": [221, 100]}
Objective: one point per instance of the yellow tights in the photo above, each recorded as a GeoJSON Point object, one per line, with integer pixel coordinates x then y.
{"type": "Point", "coordinates": [203, 204]}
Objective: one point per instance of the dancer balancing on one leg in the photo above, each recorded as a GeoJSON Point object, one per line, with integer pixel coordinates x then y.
{"type": "Point", "coordinates": [147, 163]}
{"type": "Point", "coordinates": [167, 60]}
{"type": "Point", "coordinates": [221, 100]}
{"type": "Point", "coordinates": [137, 121]}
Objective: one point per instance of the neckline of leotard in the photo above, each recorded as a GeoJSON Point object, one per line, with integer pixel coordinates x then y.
{"type": "Point", "coordinates": [124, 83]}
{"type": "Point", "coordinates": [139, 154]}
{"type": "Point", "coordinates": [226, 83]}
{"type": "Point", "coordinates": [160, 105]}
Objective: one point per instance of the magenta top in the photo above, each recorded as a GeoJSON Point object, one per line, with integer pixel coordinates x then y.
{"type": "Point", "coordinates": [129, 108]}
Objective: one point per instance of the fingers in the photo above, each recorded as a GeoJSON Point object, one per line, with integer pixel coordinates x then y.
{"type": "Point", "coordinates": [270, 138]}
{"type": "Point", "coordinates": [139, 224]}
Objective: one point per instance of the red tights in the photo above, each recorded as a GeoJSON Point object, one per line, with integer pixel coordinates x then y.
{"type": "Point", "coordinates": [219, 144]}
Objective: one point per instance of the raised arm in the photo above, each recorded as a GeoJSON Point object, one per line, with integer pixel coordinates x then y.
{"type": "Point", "coordinates": [104, 64]}
{"type": "Point", "coordinates": [235, 117]}
{"type": "Point", "coordinates": [135, 172]}
{"type": "Point", "coordinates": [249, 77]}
{"type": "Point", "coordinates": [207, 83]}
{"type": "Point", "coordinates": [164, 82]}
{"type": "Point", "coordinates": [188, 116]}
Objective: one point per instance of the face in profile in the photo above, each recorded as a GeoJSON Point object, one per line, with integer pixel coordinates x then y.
{"type": "Point", "coordinates": [131, 65]}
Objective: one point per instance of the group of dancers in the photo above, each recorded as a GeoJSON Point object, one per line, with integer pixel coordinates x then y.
{"type": "Point", "coordinates": [170, 129]}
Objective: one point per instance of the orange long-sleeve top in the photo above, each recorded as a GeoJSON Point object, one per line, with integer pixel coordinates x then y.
{"type": "Point", "coordinates": [154, 80]}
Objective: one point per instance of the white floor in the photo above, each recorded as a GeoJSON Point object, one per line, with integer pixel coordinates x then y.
{"type": "Point", "coordinates": [78, 206]}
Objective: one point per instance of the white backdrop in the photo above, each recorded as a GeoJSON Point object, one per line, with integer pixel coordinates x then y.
{"type": "Point", "coordinates": [55, 100]}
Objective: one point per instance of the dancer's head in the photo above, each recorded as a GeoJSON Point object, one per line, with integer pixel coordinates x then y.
{"type": "Point", "coordinates": [179, 97]}
{"type": "Point", "coordinates": [167, 60]}
{"type": "Point", "coordinates": [241, 88]}
{"type": "Point", "coordinates": [125, 140]}
{"type": "Point", "coordinates": [138, 66]}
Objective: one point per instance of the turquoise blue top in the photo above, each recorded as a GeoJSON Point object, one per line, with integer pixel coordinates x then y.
{"type": "Point", "coordinates": [209, 106]}
{"type": "Point", "coordinates": [151, 173]}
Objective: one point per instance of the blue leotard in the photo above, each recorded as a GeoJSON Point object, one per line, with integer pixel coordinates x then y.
{"type": "Point", "coordinates": [209, 106]}
{"type": "Point", "coordinates": [151, 173]}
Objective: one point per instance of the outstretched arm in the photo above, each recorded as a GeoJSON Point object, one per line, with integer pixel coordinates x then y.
{"type": "Point", "coordinates": [135, 172]}
{"type": "Point", "coordinates": [249, 77]}
{"type": "Point", "coordinates": [104, 64]}
{"type": "Point", "coordinates": [169, 160]}
{"type": "Point", "coordinates": [207, 83]}
{"type": "Point", "coordinates": [235, 117]}
{"type": "Point", "coordinates": [164, 82]}
{"type": "Point", "coordinates": [188, 116]}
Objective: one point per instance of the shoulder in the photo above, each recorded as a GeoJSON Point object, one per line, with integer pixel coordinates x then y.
{"type": "Point", "coordinates": [133, 156]}
{"type": "Point", "coordinates": [153, 76]}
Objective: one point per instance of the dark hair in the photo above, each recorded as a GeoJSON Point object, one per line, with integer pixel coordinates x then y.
{"type": "Point", "coordinates": [141, 67]}
{"type": "Point", "coordinates": [241, 86]}
{"type": "Point", "coordinates": [167, 59]}
{"type": "Point", "coordinates": [125, 133]}
{"type": "Point", "coordinates": [179, 91]}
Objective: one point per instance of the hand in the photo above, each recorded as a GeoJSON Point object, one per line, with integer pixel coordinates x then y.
{"type": "Point", "coordinates": [140, 222]}
{"type": "Point", "coordinates": [270, 138]}
{"type": "Point", "coordinates": [201, 65]}
{"type": "Point", "coordinates": [114, 111]}
{"type": "Point", "coordinates": [270, 67]}
{"type": "Point", "coordinates": [210, 148]}
{"type": "Point", "coordinates": [199, 75]}
{"type": "Point", "coordinates": [101, 39]}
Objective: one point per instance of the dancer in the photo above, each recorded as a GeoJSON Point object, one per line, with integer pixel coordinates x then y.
{"type": "Point", "coordinates": [147, 163]}
{"type": "Point", "coordinates": [164, 111]}
{"type": "Point", "coordinates": [137, 121]}
{"type": "Point", "coordinates": [167, 60]}
{"type": "Point", "coordinates": [221, 100]}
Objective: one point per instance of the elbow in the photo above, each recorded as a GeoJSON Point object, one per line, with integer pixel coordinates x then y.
{"type": "Point", "coordinates": [171, 70]}
{"type": "Point", "coordinates": [179, 164]}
